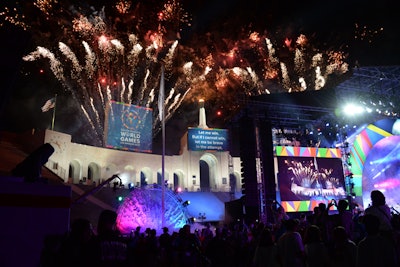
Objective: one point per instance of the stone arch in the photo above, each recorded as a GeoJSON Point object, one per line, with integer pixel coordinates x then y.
{"type": "Point", "coordinates": [208, 167]}
{"type": "Point", "coordinates": [109, 171]}
{"type": "Point", "coordinates": [237, 178]}
{"type": "Point", "coordinates": [129, 175]}
{"type": "Point", "coordinates": [93, 172]}
{"type": "Point", "coordinates": [146, 176]}
{"type": "Point", "coordinates": [159, 178]}
{"type": "Point", "coordinates": [74, 172]}
{"type": "Point", "coordinates": [178, 180]}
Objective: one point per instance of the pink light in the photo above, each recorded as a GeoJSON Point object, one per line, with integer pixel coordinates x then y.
{"type": "Point", "coordinates": [288, 42]}
{"type": "Point", "coordinates": [142, 207]}
{"type": "Point", "coordinates": [389, 183]}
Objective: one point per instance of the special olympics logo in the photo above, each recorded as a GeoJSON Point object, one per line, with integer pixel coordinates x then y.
{"type": "Point", "coordinates": [130, 119]}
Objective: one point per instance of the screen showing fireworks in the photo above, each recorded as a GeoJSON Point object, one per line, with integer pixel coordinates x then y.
{"type": "Point", "coordinates": [304, 182]}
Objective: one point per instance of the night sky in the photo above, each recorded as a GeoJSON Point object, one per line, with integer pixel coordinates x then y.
{"type": "Point", "coordinates": [367, 32]}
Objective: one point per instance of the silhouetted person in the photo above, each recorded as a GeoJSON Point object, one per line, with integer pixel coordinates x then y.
{"type": "Point", "coordinates": [50, 253]}
{"type": "Point", "coordinates": [31, 167]}
{"type": "Point", "coordinates": [109, 248]}
{"type": "Point", "coordinates": [382, 211]}
{"type": "Point", "coordinates": [188, 247]}
{"type": "Point", "coordinates": [312, 218]}
{"type": "Point", "coordinates": [375, 250]}
{"type": "Point", "coordinates": [315, 250]}
{"type": "Point", "coordinates": [344, 218]}
{"type": "Point", "coordinates": [266, 253]}
{"type": "Point", "coordinates": [151, 249]}
{"type": "Point", "coordinates": [74, 251]}
{"type": "Point", "coordinates": [219, 250]}
{"type": "Point", "coordinates": [322, 221]}
{"type": "Point", "coordinates": [206, 235]}
{"type": "Point", "coordinates": [165, 242]}
{"type": "Point", "coordinates": [290, 246]}
{"type": "Point", "coordinates": [342, 250]}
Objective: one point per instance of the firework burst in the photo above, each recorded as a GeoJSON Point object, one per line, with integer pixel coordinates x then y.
{"type": "Point", "coordinates": [115, 53]}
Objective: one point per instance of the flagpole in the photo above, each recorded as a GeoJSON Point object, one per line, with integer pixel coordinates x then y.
{"type": "Point", "coordinates": [161, 107]}
{"type": "Point", "coordinates": [163, 170]}
{"type": "Point", "coordinates": [54, 113]}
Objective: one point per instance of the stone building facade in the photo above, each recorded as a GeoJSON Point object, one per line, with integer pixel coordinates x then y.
{"type": "Point", "coordinates": [191, 171]}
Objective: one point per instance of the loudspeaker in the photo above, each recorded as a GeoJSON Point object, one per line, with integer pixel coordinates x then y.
{"type": "Point", "coordinates": [248, 152]}
{"type": "Point", "coordinates": [267, 159]}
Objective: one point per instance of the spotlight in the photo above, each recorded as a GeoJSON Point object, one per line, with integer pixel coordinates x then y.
{"type": "Point", "coordinates": [131, 186]}
{"type": "Point", "coordinates": [186, 203]}
{"type": "Point", "coordinates": [192, 220]}
{"type": "Point", "coordinates": [178, 190]}
{"type": "Point", "coordinates": [353, 109]}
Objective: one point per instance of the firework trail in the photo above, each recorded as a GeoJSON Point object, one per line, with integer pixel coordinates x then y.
{"type": "Point", "coordinates": [123, 91]}
{"type": "Point", "coordinates": [76, 67]}
{"type": "Point", "coordinates": [319, 79]}
{"type": "Point", "coordinates": [101, 95]}
{"type": "Point", "coordinates": [141, 96]}
{"type": "Point", "coordinates": [55, 64]}
{"type": "Point", "coordinates": [130, 89]}
{"type": "Point", "coordinates": [285, 77]}
{"type": "Point", "coordinates": [90, 60]}
{"type": "Point", "coordinates": [299, 62]}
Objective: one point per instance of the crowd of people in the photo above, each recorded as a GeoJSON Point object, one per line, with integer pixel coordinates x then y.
{"type": "Point", "coordinates": [343, 239]}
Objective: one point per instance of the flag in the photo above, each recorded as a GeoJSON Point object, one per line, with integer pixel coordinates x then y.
{"type": "Point", "coordinates": [161, 95]}
{"type": "Point", "coordinates": [51, 103]}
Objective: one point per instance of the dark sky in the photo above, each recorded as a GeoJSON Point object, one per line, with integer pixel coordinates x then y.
{"type": "Point", "coordinates": [327, 23]}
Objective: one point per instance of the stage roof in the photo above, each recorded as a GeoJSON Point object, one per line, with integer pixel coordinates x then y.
{"type": "Point", "coordinates": [376, 87]}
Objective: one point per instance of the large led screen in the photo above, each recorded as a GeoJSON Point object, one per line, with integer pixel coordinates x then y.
{"type": "Point", "coordinates": [382, 172]}
{"type": "Point", "coordinates": [304, 182]}
{"type": "Point", "coordinates": [208, 139]}
{"type": "Point", "coordinates": [371, 159]}
{"type": "Point", "coordinates": [129, 127]}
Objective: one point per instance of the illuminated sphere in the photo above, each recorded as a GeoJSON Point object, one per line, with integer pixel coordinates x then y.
{"type": "Point", "coordinates": [143, 208]}
{"type": "Point", "coordinates": [396, 127]}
